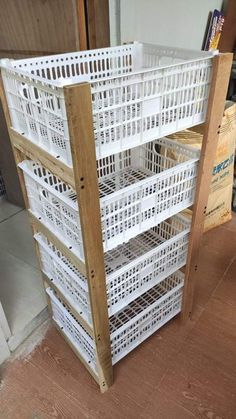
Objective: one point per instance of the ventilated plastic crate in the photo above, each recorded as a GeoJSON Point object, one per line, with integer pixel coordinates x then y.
{"type": "Point", "coordinates": [139, 92]}
{"type": "Point", "coordinates": [129, 327]}
{"type": "Point", "coordinates": [139, 188]}
{"type": "Point", "coordinates": [147, 259]}
{"type": "Point", "coordinates": [65, 276]}
{"type": "Point", "coordinates": [2, 186]}
{"type": "Point", "coordinates": [54, 203]}
{"type": "Point", "coordinates": [73, 329]}
{"type": "Point", "coordinates": [131, 269]}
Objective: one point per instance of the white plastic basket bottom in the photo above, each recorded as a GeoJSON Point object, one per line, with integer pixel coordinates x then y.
{"type": "Point", "coordinates": [131, 269]}
{"type": "Point", "coordinates": [129, 327]}
{"type": "Point", "coordinates": [139, 188]}
{"type": "Point", "coordinates": [139, 92]}
{"type": "Point", "coordinates": [2, 186]}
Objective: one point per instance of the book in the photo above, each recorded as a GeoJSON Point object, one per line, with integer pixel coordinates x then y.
{"type": "Point", "coordinates": [214, 31]}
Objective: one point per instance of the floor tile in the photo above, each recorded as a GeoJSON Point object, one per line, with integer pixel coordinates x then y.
{"type": "Point", "coordinates": [16, 238]}
{"type": "Point", "coordinates": [19, 285]}
{"type": "Point", "coordinates": [161, 407]}
{"type": "Point", "coordinates": [7, 210]}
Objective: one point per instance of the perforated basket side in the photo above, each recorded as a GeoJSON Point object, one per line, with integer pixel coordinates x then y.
{"type": "Point", "coordinates": [145, 261]}
{"type": "Point", "coordinates": [145, 315]}
{"type": "Point", "coordinates": [73, 329]}
{"type": "Point", "coordinates": [65, 276]}
{"type": "Point", "coordinates": [53, 202]}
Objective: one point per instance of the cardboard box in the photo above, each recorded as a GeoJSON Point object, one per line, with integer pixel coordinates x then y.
{"type": "Point", "coordinates": [220, 196]}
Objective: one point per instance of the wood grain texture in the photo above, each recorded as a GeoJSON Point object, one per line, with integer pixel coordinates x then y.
{"type": "Point", "coordinates": [79, 6]}
{"type": "Point", "coordinates": [79, 115]}
{"type": "Point", "coordinates": [45, 26]}
{"type": "Point", "coordinates": [220, 79]}
{"type": "Point", "coordinates": [98, 23]}
{"type": "Point", "coordinates": [185, 370]}
{"type": "Point", "coordinates": [78, 354]}
{"type": "Point", "coordinates": [228, 36]}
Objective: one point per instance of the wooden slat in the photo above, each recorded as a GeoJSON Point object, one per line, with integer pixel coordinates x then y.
{"type": "Point", "coordinates": [32, 151]}
{"type": "Point", "coordinates": [78, 354]}
{"type": "Point", "coordinates": [228, 36]}
{"type": "Point", "coordinates": [85, 325]}
{"type": "Point", "coordinates": [79, 115]}
{"type": "Point", "coordinates": [40, 26]}
{"type": "Point", "coordinates": [220, 78]}
{"type": "Point", "coordinates": [97, 13]}
{"type": "Point", "coordinates": [81, 24]}
{"type": "Point", "coordinates": [41, 228]}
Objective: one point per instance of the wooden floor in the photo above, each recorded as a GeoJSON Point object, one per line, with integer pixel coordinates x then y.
{"type": "Point", "coordinates": [180, 372]}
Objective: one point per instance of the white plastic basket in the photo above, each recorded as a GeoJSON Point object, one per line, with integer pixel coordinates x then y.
{"type": "Point", "coordinates": [139, 188]}
{"type": "Point", "coordinates": [73, 329]}
{"type": "Point", "coordinates": [139, 92]}
{"type": "Point", "coordinates": [65, 276]}
{"type": "Point", "coordinates": [131, 269]}
{"type": "Point", "coordinates": [2, 186]}
{"type": "Point", "coordinates": [54, 203]}
{"type": "Point", "coordinates": [129, 327]}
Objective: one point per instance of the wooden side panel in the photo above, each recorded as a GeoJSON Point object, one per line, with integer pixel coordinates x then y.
{"type": "Point", "coordinates": [220, 79]}
{"type": "Point", "coordinates": [79, 113]}
{"type": "Point", "coordinates": [228, 37]}
{"type": "Point", "coordinates": [38, 27]}
{"type": "Point", "coordinates": [98, 26]}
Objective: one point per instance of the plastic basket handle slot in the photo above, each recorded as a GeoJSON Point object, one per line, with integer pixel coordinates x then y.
{"type": "Point", "coordinates": [29, 93]}
{"type": "Point", "coordinates": [44, 193]}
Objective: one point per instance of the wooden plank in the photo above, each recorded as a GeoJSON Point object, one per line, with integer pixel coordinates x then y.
{"type": "Point", "coordinates": [40, 227]}
{"type": "Point", "coordinates": [220, 78]}
{"type": "Point", "coordinates": [42, 26]}
{"type": "Point", "coordinates": [32, 151]}
{"type": "Point", "coordinates": [77, 353]}
{"type": "Point", "coordinates": [76, 313]}
{"type": "Point", "coordinates": [79, 115]}
{"type": "Point", "coordinates": [81, 24]}
{"type": "Point", "coordinates": [98, 27]}
{"type": "Point", "coordinates": [228, 36]}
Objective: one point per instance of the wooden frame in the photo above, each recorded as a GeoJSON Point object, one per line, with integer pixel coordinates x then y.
{"type": "Point", "coordinates": [220, 79]}
{"type": "Point", "coordinates": [84, 179]}
{"type": "Point", "coordinates": [85, 172]}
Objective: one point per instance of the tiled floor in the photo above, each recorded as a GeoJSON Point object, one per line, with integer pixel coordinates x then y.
{"type": "Point", "coordinates": [21, 290]}
{"type": "Point", "coordinates": [182, 371]}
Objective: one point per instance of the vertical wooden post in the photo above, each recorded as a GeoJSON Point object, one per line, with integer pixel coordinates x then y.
{"type": "Point", "coordinates": [79, 113]}
{"type": "Point", "coordinates": [220, 79]}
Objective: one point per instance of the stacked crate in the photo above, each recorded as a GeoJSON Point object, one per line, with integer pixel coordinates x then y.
{"type": "Point", "coordinates": [105, 189]}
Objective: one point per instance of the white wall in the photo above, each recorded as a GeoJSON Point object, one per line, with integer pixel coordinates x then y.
{"type": "Point", "coordinates": [179, 23]}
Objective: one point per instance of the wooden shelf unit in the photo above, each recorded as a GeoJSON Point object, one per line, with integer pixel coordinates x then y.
{"type": "Point", "coordinates": [83, 177]}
